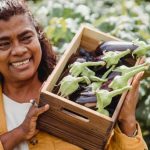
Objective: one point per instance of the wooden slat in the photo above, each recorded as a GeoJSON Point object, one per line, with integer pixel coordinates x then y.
{"type": "Point", "coordinates": [88, 43]}
{"type": "Point", "coordinates": [98, 35]}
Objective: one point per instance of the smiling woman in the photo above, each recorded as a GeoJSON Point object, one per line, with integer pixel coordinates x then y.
{"type": "Point", "coordinates": [26, 60]}
{"type": "Point", "coordinates": [20, 49]}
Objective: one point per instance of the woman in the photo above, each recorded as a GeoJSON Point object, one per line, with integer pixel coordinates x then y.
{"type": "Point", "coordinates": [26, 60]}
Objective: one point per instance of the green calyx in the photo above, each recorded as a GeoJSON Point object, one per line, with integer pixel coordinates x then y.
{"type": "Point", "coordinates": [70, 84]}
{"type": "Point", "coordinates": [77, 68]}
{"type": "Point", "coordinates": [124, 69]}
{"type": "Point", "coordinates": [122, 81]}
{"type": "Point", "coordinates": [104, 97]}
{"type": "Point", "coordinates": [113, 57]}
{"type": "Point", "coordinates": [142, 48]}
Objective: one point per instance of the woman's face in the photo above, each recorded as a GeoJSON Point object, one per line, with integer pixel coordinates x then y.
{"type": "Point", "coordinates": [20, 50]}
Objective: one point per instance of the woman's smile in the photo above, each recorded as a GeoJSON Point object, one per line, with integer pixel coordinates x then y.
{"type": "Point", "coordinates": [21, 65]}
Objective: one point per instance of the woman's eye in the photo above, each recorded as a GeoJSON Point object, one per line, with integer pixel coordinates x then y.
{"type": "Point", "coordinates": [26, 38]}
{"type": "Point", "coordinates": [4, 45]}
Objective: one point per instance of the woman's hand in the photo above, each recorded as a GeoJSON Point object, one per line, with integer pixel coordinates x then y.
{"type": "Point", "coordinates": [28, 127]}
{"type": "Point", "coordinates": [25, 131]}
{"type": "Point", "coordinates": [127, 119]}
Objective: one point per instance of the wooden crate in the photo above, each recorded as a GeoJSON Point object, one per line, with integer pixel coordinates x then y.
{"type": "Point", "coordinates": [71, 121]}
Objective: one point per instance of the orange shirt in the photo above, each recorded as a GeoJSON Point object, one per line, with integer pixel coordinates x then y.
{"type": "Point", "coordinates": [118, 141]}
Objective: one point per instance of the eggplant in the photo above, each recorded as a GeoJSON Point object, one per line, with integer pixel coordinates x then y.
{"type": "Point", "coordinates": [86, 99]}
{"type": "Point", "coordinates": [110, 78]}
{"type": "Point", "coordinates": [89, 93]}
{"type": "Point", "coordinates": [81, 60]}
{"type": "Point", "coordinates": [90, 105]}
{"type": "Point", "coordinates": [85, 54]}
{"type": "Point", "coordinates": [115, 46]}
{"type": "Point", "coordinates": [113, 74]}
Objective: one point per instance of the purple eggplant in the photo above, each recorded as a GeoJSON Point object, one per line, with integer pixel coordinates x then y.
{"type": "Point", "coordinates": [90, 105]}
{"type": "Point", "coordinates": [85, 54]}
{"type": "Point", "coordinates": [89, 93]}
{"type": "Point", "coordinates": [86, 99]}
{"type": "Point", "coordinates": [115, 46]}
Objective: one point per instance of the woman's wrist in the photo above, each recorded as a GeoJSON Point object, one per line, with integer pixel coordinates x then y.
{"type": "Point", "coordinates": [21, 133]}
{"type": "Point", "coordinates": [12, 138]}
{"type": "Point", "coordinates": [128, 126]}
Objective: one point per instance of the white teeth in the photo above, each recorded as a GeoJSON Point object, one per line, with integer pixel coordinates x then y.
{"type": "Point", "coordinates": [20, 63]}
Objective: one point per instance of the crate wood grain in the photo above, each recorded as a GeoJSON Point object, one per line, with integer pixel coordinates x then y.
{"type": "Point", "coordinates": [68, 120]}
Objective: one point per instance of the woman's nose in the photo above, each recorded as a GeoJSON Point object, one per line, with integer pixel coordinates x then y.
{"type": "Point", "coordinates": [18, 50]}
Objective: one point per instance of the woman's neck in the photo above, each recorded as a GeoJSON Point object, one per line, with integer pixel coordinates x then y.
{"type": "Point", "coordinates": [23, 91]}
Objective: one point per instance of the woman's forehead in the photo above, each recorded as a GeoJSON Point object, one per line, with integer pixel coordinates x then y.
{"type": "Point", "coordinates": [17, 23]}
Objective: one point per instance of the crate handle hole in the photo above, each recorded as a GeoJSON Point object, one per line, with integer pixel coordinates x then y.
{"type": "Point", "coordinates": [74, 114]}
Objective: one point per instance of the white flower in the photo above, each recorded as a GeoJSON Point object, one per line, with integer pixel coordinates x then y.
{"type": "Point", "coordinates": [83, 10]}
{"type": "Point", "coordinates": [57, 5]}
{"type": "Point", "coordinates": [42, 11]}
{"type": "Point", "coordinates": [72, 24]}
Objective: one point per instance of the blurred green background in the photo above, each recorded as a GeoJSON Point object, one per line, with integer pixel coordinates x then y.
{"type": "Point", "coordinates": [125, 19]}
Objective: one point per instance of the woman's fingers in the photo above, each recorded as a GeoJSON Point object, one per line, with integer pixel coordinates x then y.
{"type": "Point", "coordinates": [43, 109]}
{"type": "Point", "coordinates": [137, 78]}
{"type": "Point", "coordinates": [135, 86]}
{"type": "Point", "coordinates": [136, 83]}
{"type": "Point", "coordinates": [35, 111]}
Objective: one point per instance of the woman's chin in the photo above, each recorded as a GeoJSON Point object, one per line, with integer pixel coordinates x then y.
{"type": "Point", "coordinates": [24, 76]}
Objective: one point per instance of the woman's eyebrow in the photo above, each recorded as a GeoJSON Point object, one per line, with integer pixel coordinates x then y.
{"type": "Point", "coordinates": [5, 38]}
{"type": "Point", "coordinates": [25, 32]}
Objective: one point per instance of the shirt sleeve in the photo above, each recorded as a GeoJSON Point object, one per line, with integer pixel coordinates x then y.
{"type": "Point", "coordinates": [120, 141]}
{"type": "Point", "coordinates": [1, 146]}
